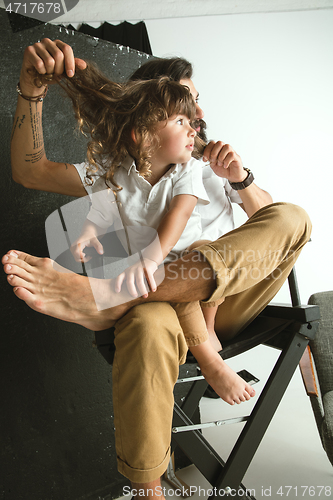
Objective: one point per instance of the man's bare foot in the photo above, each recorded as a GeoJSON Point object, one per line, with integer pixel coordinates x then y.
{"type": "Point", "coordinates": [49, 289]}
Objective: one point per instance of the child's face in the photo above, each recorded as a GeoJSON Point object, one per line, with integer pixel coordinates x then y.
{"type": "Point", "coordinates": [176, 141]}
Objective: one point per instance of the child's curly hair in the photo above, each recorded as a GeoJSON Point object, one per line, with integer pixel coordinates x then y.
{"type": "Point", "coordinates": [109, 112]}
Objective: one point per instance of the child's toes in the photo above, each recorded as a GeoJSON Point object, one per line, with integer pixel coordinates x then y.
{"type": "Point", "coordinates": [250, 391]}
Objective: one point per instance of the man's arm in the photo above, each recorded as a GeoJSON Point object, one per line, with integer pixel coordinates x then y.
{"type": "Point", "coordinates": [253, 198]}
{"type": "Point", "coordinates": [30, 166]}
{"type": "Point", "coordinates": [225, 162]}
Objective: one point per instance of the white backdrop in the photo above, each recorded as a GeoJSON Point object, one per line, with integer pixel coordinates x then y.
{"type": "Point", "coordinates": [266, 86]}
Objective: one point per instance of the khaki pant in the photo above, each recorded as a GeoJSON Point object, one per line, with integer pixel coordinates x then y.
{"type": "Point", "coordinates": [251, 263]}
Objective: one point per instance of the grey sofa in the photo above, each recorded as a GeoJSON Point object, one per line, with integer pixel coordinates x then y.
{"type": "Point", "coordinates": [321, 365]}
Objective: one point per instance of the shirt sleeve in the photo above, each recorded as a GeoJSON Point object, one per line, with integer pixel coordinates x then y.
{"type": "Point", "coordinates": [103, 210]}
{"type": "Point", "coordinates": [81, 169]}
{"type": "Point", "coordinates": [190, 182]}
{"type": "Point", "coordinates": [232, 193]}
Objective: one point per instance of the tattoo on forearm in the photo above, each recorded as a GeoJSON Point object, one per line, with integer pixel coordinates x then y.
{"type": "Point", "coordinates": [18, 123]}
{"type": "Point", "coordinates": [35, 157]}
{"type": "Point", "coordinates": [14, 128]}
{"type": "Point", "coordinates": [66, 166]}
{"type": "Point", "coordinates": [36, 127]}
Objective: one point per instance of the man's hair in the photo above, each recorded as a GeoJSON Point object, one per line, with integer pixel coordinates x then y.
{"type": "Point", "coordinates": [175, 68]}
{"type": "Point", "coordinates": [109, 112]}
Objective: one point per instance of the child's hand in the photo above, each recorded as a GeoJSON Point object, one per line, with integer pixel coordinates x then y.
{"type": "Point", "coordinates": [137, 277]}
{"type": "Point", "coordinates": [82, 243]}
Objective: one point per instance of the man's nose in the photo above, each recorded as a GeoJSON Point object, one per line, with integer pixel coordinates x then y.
{"type": "Point", "coordinates": [199, 114]}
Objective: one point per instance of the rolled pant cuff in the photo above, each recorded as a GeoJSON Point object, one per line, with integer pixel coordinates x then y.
{"type": "Point", "coordinates": [143, 475]}
{"type": "Point", "coordinates": [215, 260]}
{"type": "Point", "coordinates": [193, 341]}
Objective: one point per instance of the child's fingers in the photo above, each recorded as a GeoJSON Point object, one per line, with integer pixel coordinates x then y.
{"type": "Point", "coordinates": [151, 280]}
{"type": "Point", "coordinates": [97, 246]}
{"type": "Point", "coordinates": [119, 280]}
{"type": "Point", "coordinates": [77, 251]}
{"type": "Point", "coordinates": [130, 283]}
{"type": "Point", "coordinates": [141, 283]}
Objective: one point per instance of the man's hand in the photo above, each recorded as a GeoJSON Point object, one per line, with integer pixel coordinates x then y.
{"type": "Point", "coordinates": [47, 57]}
{"type": "Point", "coordinates": [136, 277]}
{"type": "Point", "coordinates": [224, 161]}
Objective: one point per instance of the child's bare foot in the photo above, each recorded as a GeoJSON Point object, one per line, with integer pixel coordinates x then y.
{"type": "Point", "coordinates": [213, 338]}
{"type": "Point", "coordinates": [225, 382]}
{"type": "Point", "coordinates": [52, 290]}
{"type": "Point", "coordinates": [209, 314]}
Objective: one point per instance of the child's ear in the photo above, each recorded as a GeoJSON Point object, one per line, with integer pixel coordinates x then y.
{"type": "Point", "coordinates": [133, 136]}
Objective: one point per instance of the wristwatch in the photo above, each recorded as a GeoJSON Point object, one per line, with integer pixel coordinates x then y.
{"type": "Point", "coordinates": [246, 182]}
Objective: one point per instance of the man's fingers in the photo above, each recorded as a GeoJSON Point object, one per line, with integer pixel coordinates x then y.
{"type": "Point", "coordinates": [208, 150]}
{"type": "Point", "coordinates": [50, 58]}
{"type": "Point", "coordinates": [80, 63]}
{"type": "Point", "coordinates": [218, 151]}
{"type": "Point", "coordinates": [68, 60]}
{"type": "Point", "coordinates": [53, 57]}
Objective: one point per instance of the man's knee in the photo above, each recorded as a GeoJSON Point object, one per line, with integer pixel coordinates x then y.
{"type": "Point", "coordinates": [153, 327]}
{"type": "Point", "coordinates": [293, 220]}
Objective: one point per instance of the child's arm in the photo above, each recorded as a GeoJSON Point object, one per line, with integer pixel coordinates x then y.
{"type": "Point", "coordinates": [168, 232]}
{"type": "Point", "coordinates": [171, 227]}
{"type": "Point", "coordinates": [88, 238]}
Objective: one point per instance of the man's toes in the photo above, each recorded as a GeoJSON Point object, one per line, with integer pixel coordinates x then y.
{"type": "Point", "coordinates": [15, 280]}
{"type": "Point", "coordinates": [23, 293]}
{"type": "Point", "coordinates": [29, 298]}
{"type": "Point", "coordinates": [12, 269]}
{"type": "Point", "coordinates": [11, 259]}
{"type": "Point", "coordinates": [30, 259]}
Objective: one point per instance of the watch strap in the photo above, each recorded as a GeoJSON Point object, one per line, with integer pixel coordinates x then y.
{"type": "Point", "coordinates": [238, 186]}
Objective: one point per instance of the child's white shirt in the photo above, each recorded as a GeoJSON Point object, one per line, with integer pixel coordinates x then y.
{"type": "Point", "coordinates": [142, 205]}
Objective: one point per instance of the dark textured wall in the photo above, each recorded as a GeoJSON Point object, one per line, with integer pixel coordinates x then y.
{"type": "Point", "coordinates": [56, 418]}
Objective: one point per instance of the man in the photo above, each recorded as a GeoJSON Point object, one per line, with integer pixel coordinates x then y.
{"type": "Point", "coordinates": [246, 267]}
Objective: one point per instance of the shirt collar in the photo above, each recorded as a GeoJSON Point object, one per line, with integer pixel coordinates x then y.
{"type": "Point", "coordinates": [129, 164]}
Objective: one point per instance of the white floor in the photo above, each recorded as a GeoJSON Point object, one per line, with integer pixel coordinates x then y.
{"type": "Point", "coordinates": [290, 462]}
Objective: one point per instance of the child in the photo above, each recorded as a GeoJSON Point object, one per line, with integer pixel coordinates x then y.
{"type": "Point", "coordinates": [142, 137]}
